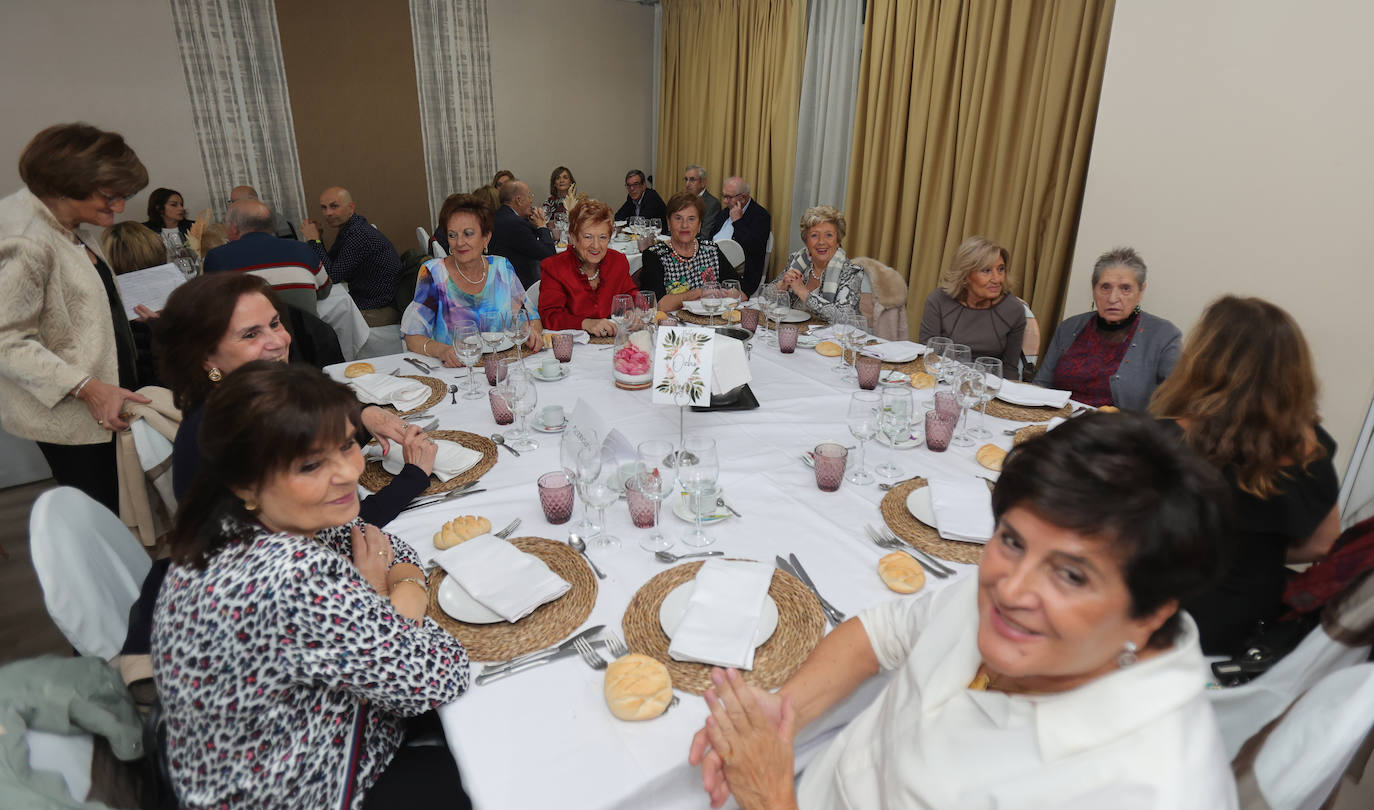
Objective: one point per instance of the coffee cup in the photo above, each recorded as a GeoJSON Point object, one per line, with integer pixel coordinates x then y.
{"type": "Point", "coordinates": [551, 367]}
{"type": "Point", "coordinates": [552, 415]}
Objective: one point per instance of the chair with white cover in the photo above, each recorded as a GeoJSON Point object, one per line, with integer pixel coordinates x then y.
{"type": "Point", "coordinates": [1296, 761]}
{"type": "Point", "coordinates": [438, 252]}
{"type": "Point", "coordinates": [733, 253]}
{"type": "Point", "coordinates": [885, 307]}
{"type": "Point", "coordinates": [293, 284]}
{"type": "Point", "coordinates": [532, 300]}
{"type": "Point", "coordinates": [422, 239]}
{"type": "Point", "coordinates": [767, 263]}
{"type": "Point", "coordinates": [89, 566]}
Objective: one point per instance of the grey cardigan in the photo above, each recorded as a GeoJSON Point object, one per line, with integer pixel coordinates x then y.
{"type": "Point", "coordinates": [1149, 359]}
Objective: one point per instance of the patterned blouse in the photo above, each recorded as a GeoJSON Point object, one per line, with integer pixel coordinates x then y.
{"type": "Point", "coordinates": [1087, 366]}
{"type": "Point", "coordinates": [440, 307]}
{"type": "Point", "coordinates": [667, 273]}
{"type": "Point", "coordinates": [841, 284]}
{"type": "Point", "coordinates": [555, 206]}
{"type": "Point", "coordinates": [285, 676]}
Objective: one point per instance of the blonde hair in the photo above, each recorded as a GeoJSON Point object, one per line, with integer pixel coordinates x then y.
{"type": "Point", "coordinates": [821, 214]}
{"type": "Point", "coordinates": [975, 253]}
{"type": "Point", "coordinates": [214, 235]}
{"type": "Point", "coordinates": [130, 246]}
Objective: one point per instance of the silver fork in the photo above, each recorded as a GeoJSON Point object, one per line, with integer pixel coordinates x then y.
{"type": "Point", "coordinates": [505, 533]}
{"type": "Point", "coordinates": [887, 534]}
{"type": "Point", "coordinates": [590, 656]}
{"type": "Point", "coordinates": [883, 542]}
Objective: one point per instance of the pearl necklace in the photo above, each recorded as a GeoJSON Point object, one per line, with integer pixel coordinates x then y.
{"type": "Point", "coordinates": [695, 247]}
{"type": "Point", "coordinates": [594, 276]}
{"type": "Point", "coordinates": [479, 280]}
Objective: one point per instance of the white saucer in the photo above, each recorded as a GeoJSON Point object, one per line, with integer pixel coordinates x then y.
{"type": "Point", "coordinates": [807, 341]}
{"type": "Point", "coordinates": [537, 423]}
{"type": "Point", "coordinates": [919, 505]}
{"type": "Point", "coordinates": [538, 373]}
{"type": "Point", "coordinates": [459, 604]}
{"type": "Point", "coordinates": [681, 509]}
{"type": "Point", "coordinates": [795, 316]}
{"type": "Point", "coordinates": [674, 607]}
{"type": "Point", "coordinates": [914, 438]}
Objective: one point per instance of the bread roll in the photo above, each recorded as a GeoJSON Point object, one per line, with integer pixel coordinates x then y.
{"type": "Point", "coordinates": [548, 340]}
{"type": "Point", "coordinates": [459, 530]}
{"type": "Point", "coordinates": [901, 573]}
{"type": "Point", "coordinates": [828, 348]}
{"type": "Point", "coordinates": [922, 380]}
{"type": "Point", "coordinates": [732, 316]}
{"type": "Point", "coordinates": [358, 370]}
{"type": "Point", "coordinates": [637, 687]}
{"type": "Point", "coordinates": [990, 456]}
{"type": "Point", "coordinates": [1109, 409]}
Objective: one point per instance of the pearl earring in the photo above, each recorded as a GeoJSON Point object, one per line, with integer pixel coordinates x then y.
{"type": "Point", "coordinates": [250, 504]}
{"type": "Point", "coordinates": [1127, 655]}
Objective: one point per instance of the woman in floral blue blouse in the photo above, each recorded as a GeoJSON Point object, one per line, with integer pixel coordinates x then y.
{"type": "Point", "coordinates": [290, 642]}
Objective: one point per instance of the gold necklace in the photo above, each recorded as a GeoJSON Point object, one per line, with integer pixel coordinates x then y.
{"type": "Point", "coordinates": [480, 280]}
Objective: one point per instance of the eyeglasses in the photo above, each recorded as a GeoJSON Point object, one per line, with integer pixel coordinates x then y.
{"type": "Point", "coordinates": [111, 199]}
{"type": "Point", "coordinates": [633, 183]}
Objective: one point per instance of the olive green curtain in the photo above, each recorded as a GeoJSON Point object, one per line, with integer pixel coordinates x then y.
{"type": "Point", "coordinates": [975, 117]}
{"type": "Point", "coordinates": [730, 85]}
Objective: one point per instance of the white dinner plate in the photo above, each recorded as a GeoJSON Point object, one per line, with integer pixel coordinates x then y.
{"type": "Point", "coordinates": [795, 316]}
{"type": "Point", "coordinates": [537, 423]}
{"type": "Point", "coordinates": [458, 603]}
{"type": "Point", "coordinates": [919, 505]}
{"type": "Point", "coordinates": [674, 607]}
{"type": "Point", "coordinates": [681, 509]}
{"type": "Point", "coordinates": [500, 347]}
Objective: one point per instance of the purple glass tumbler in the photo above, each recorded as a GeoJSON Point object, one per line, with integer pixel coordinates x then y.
{"type": "Point", "coordinates": [939, 429]}
{"type": "Point", "coordinates": [556, 496]}
{"type": "Point", "coordinates": [495, 368]}
{"type": "Point", "coordinates": [642, 508]}
{"type": "Point", "coordinates": [787, 338]}
{"type": "Point", "coordinates": [500, 409]}
{"type": "Point", "coordinates": [749, 319]}
{"type": "Point", "coordinates": [829, 459]}
{"type": "Point", "coordinates": [562, 347]}
{"type": "Point", "coordinates": [868, 368]}
{"type": "Point", "coordinates": [947, 404]}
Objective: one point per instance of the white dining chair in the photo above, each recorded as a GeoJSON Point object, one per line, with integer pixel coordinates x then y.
{"type": "Point", "coordinates": [90, 567]}
{"type": "Point", "coordinates": [438, 252]}
{"type": "Point", "coordinates": [532, 298]}
{"type": "Point", "coordinates": [422, 239]}
{"type": "Point", "coordinates": [733, 253]}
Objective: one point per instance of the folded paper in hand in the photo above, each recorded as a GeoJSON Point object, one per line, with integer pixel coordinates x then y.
{"type": "Point", "coordinates": [148, 287]}
{"type": "Point", "coordinates": [450, 461]}
{"type": "Point", "coordinates": [384, 389]}
{"type": "Point", "coordinates": [963, 509]}
{"type": "Point", "coordinates": [723, 614]}
{"type": "Point", "coordinates": [1029, 395]}
{"type": "Point", "coordinates": [503, 578]}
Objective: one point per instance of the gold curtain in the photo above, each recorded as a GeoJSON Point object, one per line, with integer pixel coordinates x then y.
{"type": "Point", "coordinates": [976, 117]}
{"type": "Point", "coordinates": [731, 81]}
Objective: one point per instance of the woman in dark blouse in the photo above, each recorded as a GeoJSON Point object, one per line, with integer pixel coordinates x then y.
{"type": "Point", "coordinates": [675, 270]}
{"type": "Point", "coordinates": [167, 210]}
{"type": "Point", "coordinates": [1116, 353]}
{"type": "Point", "coordinates": [1244, 395]}
{"type": "Point", "coordinates": [974, 306]}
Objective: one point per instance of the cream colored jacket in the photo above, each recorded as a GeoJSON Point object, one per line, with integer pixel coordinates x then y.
{"type": "Point", "coordinates": [54, 326]}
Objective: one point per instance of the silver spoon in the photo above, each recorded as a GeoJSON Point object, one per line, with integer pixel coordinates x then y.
{"type": "Point", "coordinates": [669, 557]}
{"type": "Point", "coordinates": [575, 541]}
{"type": "Point", "coordinates": [501, 440]}
{"type": "Point", "coordinates": [453, 395]}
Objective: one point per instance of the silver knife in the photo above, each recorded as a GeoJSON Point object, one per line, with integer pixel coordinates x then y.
{"type": "Point", "coordinates": [430, 500]}
{"type": "Point", "coordinates": [493, 669]}
{"type": "Point", "coordinates": [835, 615]}
{"type": "Point", "coordinates": [421, 366]}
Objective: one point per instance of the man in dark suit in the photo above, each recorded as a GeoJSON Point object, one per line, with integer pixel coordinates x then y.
{"type": "Point", "coordinates": [749, 224]}
{"type": "Point", "coordinates": [695, 178]}
{"type": "Point", "coordinates": [520, 234]}
{"type": "Point", "coordinates": [642, 201]}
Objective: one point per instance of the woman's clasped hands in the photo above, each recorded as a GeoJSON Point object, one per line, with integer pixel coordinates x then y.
{"type": "Point", "coordinates": [745, 748]}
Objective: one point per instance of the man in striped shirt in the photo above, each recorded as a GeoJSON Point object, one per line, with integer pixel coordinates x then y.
{"type": "Point", "coordinates": [253, 246]}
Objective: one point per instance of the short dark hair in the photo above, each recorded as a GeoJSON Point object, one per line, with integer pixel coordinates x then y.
{"type": "Point", "coordinates": [686, 199]}
{"type": "Point", "coordinates": [636, 173]}
{"type": "Point", "coordinates": [191, 325]}
{"type": "Point", "coordinates": [264, 416]}
{"type": "Point", "coordinates": [465, 203]}
{"type": "Point", "coordinates": [157, 200]}
{"type": "Point", "coordinates": [76, 160]}
{"type": "Point", "coordinates": [1128, 480]}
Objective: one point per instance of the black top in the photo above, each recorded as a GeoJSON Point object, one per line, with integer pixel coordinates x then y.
{"type": "Point", "coordinates": [182, 226]}
{"type": "Point", "coordinates": [520, 243]}
{"type": "Point", "coordinates": [126, 352]}
{"type": "Point", "coordinates": [1263, 530]}
{"type": "Point", "coordinates": [651, 206]}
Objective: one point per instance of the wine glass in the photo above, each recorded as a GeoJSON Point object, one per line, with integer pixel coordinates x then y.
{"type": "Point", "coordinates": [599, 493]}
{"type": "Point", "coordinates": [647, 304]}
{"type": "Point", "coordinates": [622, 309]}
{"type": "Point", "coordinates": [992, 383]}
{"type": "Point", "coordinates": [895, 423]}
{"type": "Point", "coordinates": [730, 295]}
{"type": "Point", "coordinates": [467, 344]}
{"type": "Point", "coordinates": [697, 470]}
{"type": "Point", "coordinates": [518, 329]}
{"type": "Point", "coordinates": [653, 483]}
{"type": "Point", "coordinates": [580, 453]}
{"type": "Point", "coordinates": [493, 325]}
{"type": "Point", "coordinates": [854, 337]}
{"type": "Point", "coordinates": [710, 301]}
{"type": "Point", "coordinates": [935, 356]}
{"type": "Point", "coordinates": [863, 425]}
{"type": "Point", "coordinates": [968, 389]}
{"type": "Point", "coordinates": [522, 396]}
{"type": "Point", "coordinates": [780, 303]}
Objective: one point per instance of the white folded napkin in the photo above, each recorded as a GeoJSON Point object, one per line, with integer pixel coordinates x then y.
{"type": "Point", "coordinates": [1032, 395]}
{"type": "Point", "coordinates": [502, 577]}
{"type": "Point", "coordinates": [451, 460]}
{"type": "Point", "coordinates": [823, 333]}
{"type": "Point", "coordinates": [729, 365]}
{"type": "Point", "coordinates": [723, 614]}
{"type": "Point", "coordinates": [579, 335]}
{"type": "Point", "coordinates": [384, 389]}
{"type": "Point", "coordinates": [963, 509]}
{"type": "Point", "coordinates": [896, 351]}
{"type": "Point", "coordinates": [1054, 423]}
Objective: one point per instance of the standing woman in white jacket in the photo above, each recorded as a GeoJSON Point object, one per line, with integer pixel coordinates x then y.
{"type": "Point", "coordinates": [67, 357]}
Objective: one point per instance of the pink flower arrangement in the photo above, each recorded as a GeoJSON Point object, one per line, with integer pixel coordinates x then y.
{"type": "Point", "coordinates": [632, 360]}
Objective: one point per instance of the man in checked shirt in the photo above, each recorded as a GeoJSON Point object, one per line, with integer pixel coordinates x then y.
{"type": "Point", "coordinates": [361, 255]}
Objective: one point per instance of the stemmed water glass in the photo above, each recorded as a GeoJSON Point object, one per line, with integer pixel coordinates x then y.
{"type": "Point", "coordinates": [622, 309]}
{"type": "Point", "coordinates": [768, 302]}
{"type": "Point", "coordinates": [895, 423]}
{"type": "Point", "coordinates": [599, 493]}
{"type": "Point", "coordinates": [493, 331]}
{"type": "Point", "coordinates": [730, 295]}
{"type": "Point", "coordinates": [854, 337]}
{"type": "Point", "coordinates": [467, 344]}
{"type": "Point", "coordinates": [518, 329]}
{"type": "Point", "coordinates": [864, 407]}
{"type": "Point", "coordinates": [968, 389]}
{"type": "Point", "coordinates": [653, 485]}
{"type": "Point", "coordinates": [935, 357]}
{"type": "Point", "coordinates": [840, 328]}
{"type": "Point", "coordinates": [697, 470]}
{"type": "Point", "coordinates": [520, 392]}
{"type": "Point", "coordinates": [647, 303]}
{"type": "Point", "coordinates": [711, 301]}
{"type": "Point", "coordinates": [991, 369]}
{"type": "Point", "coordinates": [580, 454]}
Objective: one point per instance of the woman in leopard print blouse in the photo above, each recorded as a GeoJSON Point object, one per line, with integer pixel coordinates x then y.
{"type": "Point", "coordinates": [290, 642]}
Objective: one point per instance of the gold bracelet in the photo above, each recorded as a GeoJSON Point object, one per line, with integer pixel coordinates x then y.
{"type": "Point", "coordinates": [414, 580]}
{"type": "Point", "coordinates": [425, 349]}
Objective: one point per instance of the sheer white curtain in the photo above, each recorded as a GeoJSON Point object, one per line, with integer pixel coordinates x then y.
{"type": "Point", "coordinates": [825, 119]}
{"type": "Point", "coordinates": [1357, 492]}
{"type": "Point", "coordinates": [231, 54]}
{"type": "Point", "coordinates": [453, 75]}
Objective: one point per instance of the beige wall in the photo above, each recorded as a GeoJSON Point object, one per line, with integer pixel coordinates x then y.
{"type": "Point", "coordinates": [573, 86]}
{"type": "Point", "coordinates": [1232, 149]}
{"type": "Point", "coordinates": [114, 65]}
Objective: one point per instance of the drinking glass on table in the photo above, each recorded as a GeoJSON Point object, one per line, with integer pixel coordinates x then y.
{"type": "Point", "coordinates": [698, 468]}
{"type": "Point", "coordinates": [711, 301]}
{"type": "Point", "coordinates": [991, 368]}
{"type": "Point", "coordinates": [895, 423]}
{"type": "Point", "coordinates": [935, 357]}
{"type": "Point", "coordinates": [646, 490]}
{"type": "Point", "coordinates": [855, 336]}
{"type": "Point", "coordinates": [730, 295]}
{"type": "Point", "coordinates": [968, 389]}
{"type": "Point", "coordinates": [864, 408]}
{"type": "Point", "coordinates": [599, 493]}
{"type": "Point", "coordinates": [520, 392]}
{"type": "Point", "coordinates": [647, 304]}
{"type": "Point", "coordinates": [580, 453]}
{"type": "Point", "coordinates": [622, 309]}
{"type": "Point", "coordinates": [467, 344]}
{"type": "Point", "coordinates": [779, 304]}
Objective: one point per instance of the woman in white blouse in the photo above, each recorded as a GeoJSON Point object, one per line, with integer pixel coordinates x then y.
{"type": "Point", "coordinates": [1062, 675]}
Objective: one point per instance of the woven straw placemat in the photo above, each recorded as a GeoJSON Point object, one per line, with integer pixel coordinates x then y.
{"type": "Point", "coordinates": [1026, 413]}
{"type": "Point", "coordinates": [701, 320]}
{"type": "Point", "coordinates": [547, 625]}
{"type": "Point", "coordinates": [800, 627]}
{"type": "Point", "coordinates": [1027, 433]}
{"type": "Point", "coordinates": [918, 534]}
{"type": "Point", "coordinates": [601, 340]}
{"type": "Point", "coordinates": [374, 477]}
{"type": "Point", "coordinates": [437, 389]}
{"type": "Point", "coordinates": [910, 367]}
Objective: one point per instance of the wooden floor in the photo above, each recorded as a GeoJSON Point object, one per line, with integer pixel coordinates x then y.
{"type": "Point", "coordinates": [25, 628]}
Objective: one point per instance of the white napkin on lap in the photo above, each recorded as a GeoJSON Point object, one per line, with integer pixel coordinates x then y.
{"type": "Point", "coordinates": [723, 614]}
{"type": "Point", "coordinates": [451, 460]}
{"type": "Point", "coordinates": [384, 389]}
{"type": "Point", "coordinates": [579, 335]}
{"type": "Point", "coordinates": [963, 509]}
{"type": "Point", "coordinates": [1032, 395]}
{"type": "Point", "coordinates": [896, 351]}
{"type": "Point", "coordinates": [501, 576]}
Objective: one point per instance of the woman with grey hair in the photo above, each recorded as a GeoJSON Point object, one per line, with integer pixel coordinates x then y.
{"type": "Point", "coordinates": [974, 306]}
{"type": "Point", "coordinates": [1114, 354]}
{"type": "Point", "coordinates": [820, 278]}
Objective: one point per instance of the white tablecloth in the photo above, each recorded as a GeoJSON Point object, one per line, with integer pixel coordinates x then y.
{"type": "Point", "coordinates": [338, 310]}
{"type": "Point", "coordinates": [544, 738]}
